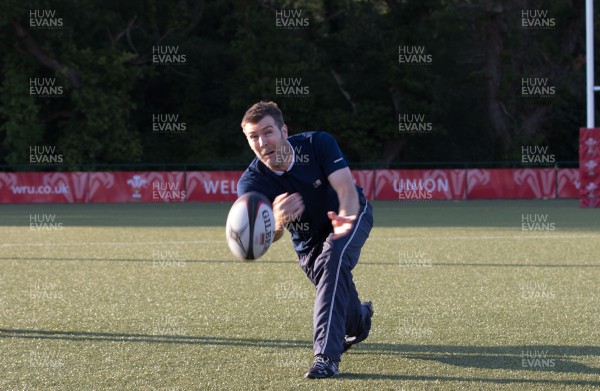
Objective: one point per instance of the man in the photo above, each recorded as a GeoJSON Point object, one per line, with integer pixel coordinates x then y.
{"type": "Point", "coordinates": [312, 190]}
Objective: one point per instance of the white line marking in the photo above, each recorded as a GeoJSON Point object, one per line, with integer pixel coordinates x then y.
{"type": "Point", "coordinates": [489, 237]}
{"type": "Point", "coordinates": [338, 160]}
{"type": "Point", "coordinates": [110, 243]}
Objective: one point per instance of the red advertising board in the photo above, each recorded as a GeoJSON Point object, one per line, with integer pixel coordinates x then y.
{"type": "Point", "coordinates": [567, 183]}
{"type": "Point", "coordinates": [43, 187]}
{"type": "Point", "coordinates": [419, 184]}
{"type": "Point", "coordinates": [511, 183]}
{"type": "Point", "coordinates": [212, 185]}
{"type": "Point", "coordinates": [589, 167]}
{"type": "Point", "coordinates": [366, 180]}
{"type": "Point", "coordinates": [141, 186]}
{"type": "Point", "coordinates": [222, 185]}
{"type": "Point", "coordinates": [176, 186]}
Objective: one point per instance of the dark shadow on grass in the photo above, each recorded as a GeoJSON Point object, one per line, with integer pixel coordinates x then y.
{"type": "Point", "coordinates": [539, 358]}
{"type": "Point", "coordinates": [378, 376]}
{"type": "Point", "coordinates": [552, 358]}
{"type": "Point", "coordinates": [499, 357]}
{"type": "Point", "coordinates": [173, 263]}
{"type": "Point", "coordinates": [149, 338]}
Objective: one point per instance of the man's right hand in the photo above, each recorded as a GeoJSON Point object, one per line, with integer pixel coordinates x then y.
{"type": "Point", "coordinates": [287, 208]}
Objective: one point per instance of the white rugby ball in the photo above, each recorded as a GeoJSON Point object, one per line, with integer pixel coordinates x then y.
{"type": "Point", "coordinates": [250, 226]}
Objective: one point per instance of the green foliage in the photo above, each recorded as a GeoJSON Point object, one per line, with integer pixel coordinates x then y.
{"type": "Point", "coordinates": [346, 55]}
{"type": "Point", "coordinates": [20, 128]}
{"type": "Point", "coordinates": [99, 129]}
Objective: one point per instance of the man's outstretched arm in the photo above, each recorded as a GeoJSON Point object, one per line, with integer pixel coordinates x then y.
{"type": "Point", "coordinates": [342, 182]}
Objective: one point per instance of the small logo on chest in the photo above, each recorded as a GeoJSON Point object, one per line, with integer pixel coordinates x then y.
{"type": "Point", "coordinates": [317, 183]}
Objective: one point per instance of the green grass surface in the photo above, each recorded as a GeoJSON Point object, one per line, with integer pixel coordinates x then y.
{"type": "Point", "coordinates": [148, 297]}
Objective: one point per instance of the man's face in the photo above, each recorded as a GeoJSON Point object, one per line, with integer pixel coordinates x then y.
{"type": "Point", "coordinates": [269, 143]}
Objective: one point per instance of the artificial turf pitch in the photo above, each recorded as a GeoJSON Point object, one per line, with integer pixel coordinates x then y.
{"type": "Point", "coordinates": [148, 297]}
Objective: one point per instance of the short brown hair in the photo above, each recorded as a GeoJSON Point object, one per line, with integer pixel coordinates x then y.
{"type": "Point", "coordinates": [260, 110]}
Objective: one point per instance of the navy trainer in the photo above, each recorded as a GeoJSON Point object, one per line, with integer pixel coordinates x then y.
{"type": "Point", "coordinates": [323, 367]}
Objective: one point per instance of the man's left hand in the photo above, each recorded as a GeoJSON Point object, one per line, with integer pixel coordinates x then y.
{"type": "Point", "coordinates": [341, 224]}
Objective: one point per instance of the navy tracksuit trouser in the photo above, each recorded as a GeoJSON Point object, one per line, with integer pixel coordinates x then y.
{"type": "Point", "coordinates": [338, 311]}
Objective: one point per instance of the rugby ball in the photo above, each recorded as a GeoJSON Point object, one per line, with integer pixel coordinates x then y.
{"type": "Point", "coordinates": [250, 226]}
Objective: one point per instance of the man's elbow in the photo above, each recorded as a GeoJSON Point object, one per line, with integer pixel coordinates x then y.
{"type": "Point", "coordinates": [349, 192]}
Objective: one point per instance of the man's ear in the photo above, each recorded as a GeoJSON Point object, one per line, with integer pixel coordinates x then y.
{"type": "Point", "coordinates": [284, 131]}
